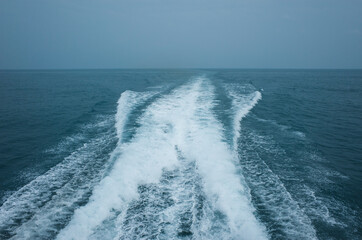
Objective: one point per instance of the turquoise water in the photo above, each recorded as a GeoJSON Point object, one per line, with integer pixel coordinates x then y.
{"type": "Point", "coordinates": [180, 154]}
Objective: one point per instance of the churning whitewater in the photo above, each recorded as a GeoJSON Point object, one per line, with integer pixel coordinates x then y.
{"type": "Point", "coordinates": [176, 162]}
{"type": "Point", "coordinates": [175, 178]}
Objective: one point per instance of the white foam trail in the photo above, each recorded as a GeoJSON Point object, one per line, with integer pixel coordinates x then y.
{"type": "Point", "coordinates": [215, 161]}
{"type": "Point", "coordinates": [126, 103]}
{"type": "Point", "coordinates": [266, 185]}
{"type": "Point", "coordinates": [184, 119]}
{"type": "Point", "coordinates": [198, 135]}
{"type": "Point", "coordinates": [141, 162]}
{"type": "Point", "coordinates": [242, 104]}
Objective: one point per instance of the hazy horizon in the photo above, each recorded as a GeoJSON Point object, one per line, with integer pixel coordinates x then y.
{"type": "Point", "coordinates": [177, 68]}
{"type": "Point", "coordinates": [160, 34]}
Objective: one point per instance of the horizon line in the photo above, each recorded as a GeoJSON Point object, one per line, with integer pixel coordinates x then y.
{"type": "Point", "coordinates": [176, 68]}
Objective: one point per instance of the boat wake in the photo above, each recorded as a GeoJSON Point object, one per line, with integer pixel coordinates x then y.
{"type": "Point", "coordinates": [162, 168]}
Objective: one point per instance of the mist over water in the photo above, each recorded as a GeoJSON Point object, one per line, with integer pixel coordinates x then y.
{"type": "Point", "coordinates": [217, 154]}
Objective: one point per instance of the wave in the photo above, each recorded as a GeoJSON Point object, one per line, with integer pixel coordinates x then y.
{"type": "Point", "coordinates": [126, 103]}
{"type": "Point", "coordinates": [244, 98]}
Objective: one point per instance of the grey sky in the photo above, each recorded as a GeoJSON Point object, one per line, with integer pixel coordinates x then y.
{"type": "Point", "coordinates": [180, 33]}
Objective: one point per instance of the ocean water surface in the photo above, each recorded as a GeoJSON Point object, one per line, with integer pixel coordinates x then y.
{"type": "Point", "coordinates": [181, 154]}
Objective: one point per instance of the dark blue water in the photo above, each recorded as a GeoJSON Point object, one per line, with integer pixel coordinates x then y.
{"type": "Point", "coordinates": [168, 154]}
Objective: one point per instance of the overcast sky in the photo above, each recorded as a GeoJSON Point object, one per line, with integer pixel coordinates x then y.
{"type": "Point", "coordinates": [180, 34]}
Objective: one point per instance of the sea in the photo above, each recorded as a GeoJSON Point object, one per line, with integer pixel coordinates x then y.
{"type": "Point", "coordinates": [181, 154]}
